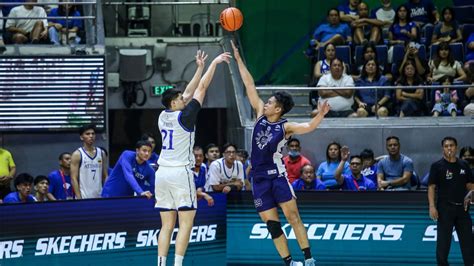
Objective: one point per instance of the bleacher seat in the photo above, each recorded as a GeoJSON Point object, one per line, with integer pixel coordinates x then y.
{"type": "Point", "coordinates": [462, 2]}
{"type": "Point", "coordinates": [342, 51]}
{"type": "Point", "coordinates": [456, 48]}
{"type": "Point", "coordinates": [428, 34]}
{"type": "Point", "coordinates": [467, 29]}
{"type": "Point", "coordinates": [382, 51]}
{"type": "Point", "coordinates": [464, 13]}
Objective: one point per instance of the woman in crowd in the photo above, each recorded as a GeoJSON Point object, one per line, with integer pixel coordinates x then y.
{"type": "Point", "coordinates": [443, 64]}
{"type": "Point", "coordinates": [327, 169]}
{"type": "Point", "coordinates": [410, 100]}
{"type": "Point", "coordinates": [448, 30]}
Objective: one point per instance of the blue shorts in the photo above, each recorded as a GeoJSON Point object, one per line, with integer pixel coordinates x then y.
{"type": "Point", "coordinates": [268, 193]}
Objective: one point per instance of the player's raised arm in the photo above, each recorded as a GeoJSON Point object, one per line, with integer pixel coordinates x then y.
{"type": "Point", "coordinates": [200, 92]}
{"type": "Point", "coordinates": [191, 88]}
{"type": "Point", "coordinates": [303, 128]}
{"type": "Point", "coordinates": [255, 101]}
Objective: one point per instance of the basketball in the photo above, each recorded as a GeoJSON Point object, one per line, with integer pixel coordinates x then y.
{"type": "Point", "coordinates": [231, 19]}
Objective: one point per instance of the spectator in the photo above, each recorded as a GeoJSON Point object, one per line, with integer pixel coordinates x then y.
{"type": "Point", "coordinates": [444, 64]}
{"type": "Point", "coordinates": [348, 11]}
{"type": "Point", "coordinates": [1, 31]}
{"type": "Point", "coordinates": [369, 165]}
{"type": "Point", "coordinates": [340, 100]}
{"type": "Point", "coordinates": [243, 156]}
{"type": "Point", "coordinates": [448, 30]}
{"type": "Point", "coordinates": [294, 161]}
{"type": "Point", "coordinates": [7, 169]}
{"type": "Point", "coordinates": [132, 174]}
{"type": "Point", "coordinates": [199, 169]}
{"type": "Point", "coordinates": [153, 161]}
{"type": "Point", "coordinates": [327, 169]}
{"type": "Point", "coordinates": [469, 51]}
{"type": "Point", "coordinates": [422, 12]}
{"type": "Point", "coordinates": [58, 28]}
{"type": "Point", "coordinates": [88, 166]}
{"type": "Point", "coordinates": [354, 181]}
{"type": "Point", "coordinates": [467, 154]}
{"type": "Point", "coordinates": [385, 14]}
{"type": "Point", "coordinates": [23, 183]}
{"type": "Point", "coordinates": [212, 153]}
{"type": "Point", "coordinates": [27, 30]}
{"type": "Point", "coordinates": [469, 109]}
{"type": "Point", "coordinates": [323, 66]}
{"type": "Point", "coordinates": [412, 53]}
{"type": "Point", "coordinates": [333, 32]}
{"type": "Point", "coordinates": [371, 101]}
{"type": "Point", "coordinates": [308, 180]}
{"type": "Point", "coordinates": [446, 100]}
{"type": "Point", "coordinates": [41, 188]}
{"type": "Point", "coordinates": [369, 51]}
{"type": "Point", "coordinates": [366, 29]}
{"type": "Point", "coordinates": [227, 173]}
{"type": "Point", "coordinates": [60, 186]}
{"type": "Point", "coordinates": [409, 100]}
{"type": "Point", "coordinates": [402, 31]}
{"type": "Point", "coordinates": [48, 8]}
{"type": "Point", "coordinates": [395, 170]}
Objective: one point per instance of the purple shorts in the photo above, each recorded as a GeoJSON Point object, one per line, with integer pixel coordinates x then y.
{"type": "Point", "coordinates": [268, 193]}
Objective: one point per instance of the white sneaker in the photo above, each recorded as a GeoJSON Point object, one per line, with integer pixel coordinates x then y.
{"type": "Point", "coordinates": [296, 263]}
{"type": "Point", "coordinates": [310, 262]}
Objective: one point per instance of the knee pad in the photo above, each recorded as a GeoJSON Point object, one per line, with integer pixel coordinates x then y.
{"type": "Point", "coordinates": [274, 228]}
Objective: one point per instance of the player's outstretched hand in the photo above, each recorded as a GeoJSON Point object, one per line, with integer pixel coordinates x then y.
{"type": "Point", "coordinates": [224, 57]}
{"type": "Point", "coordinates": [147, 194]}
{"type": "Point", "coordinates": [323, 107]}
{"type": "Point", "coordinates": [201, 57]}
{"type": "Point", "coordinates": [236, 51]}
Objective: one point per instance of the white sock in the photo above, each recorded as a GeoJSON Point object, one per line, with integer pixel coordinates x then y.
{"type": "Point", "coordinates": [161, 261]}
{"type": "Point", "coordinates": [178, 260]}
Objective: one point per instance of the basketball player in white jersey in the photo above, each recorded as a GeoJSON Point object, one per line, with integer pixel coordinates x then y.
{"type": "Point", "coordinates": [88, 166]}
{"type": "Point", "coordinates": [174, 186]}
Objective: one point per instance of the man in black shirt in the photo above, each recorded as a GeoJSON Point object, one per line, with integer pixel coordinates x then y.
{"type": "Point", "coordinates": [452, 178]}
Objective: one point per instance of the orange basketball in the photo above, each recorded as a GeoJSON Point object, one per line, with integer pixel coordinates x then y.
{"type": "Point", "coordinates": [231, 19]}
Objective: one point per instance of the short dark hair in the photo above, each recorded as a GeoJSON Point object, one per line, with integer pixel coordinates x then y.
{"type": "Point", "coordinates": [336, 59]}
{"type": "Point", "coordinates": [367, 154]}
{"type": "Point", "coordinates": [243, 153]}
{"type": "Point", "coordinates": [227, 145]}
{"type": "Point", "coordinates": [40, 178]}
{"type": "Point", "coordinates": [61, 156]}
{"type": "Point", "coordinates": [284, 100]}
{"type": "Point", "coordinates": [210, 146]}
{"type": "Point", "coordinates": [333, 9]}
{"type": "Point", "coordinates": [86, 127]}
{"type": "Point", "coordinates": [293, 140]}
{"type": "Point", "coordinates": [23, 178]}
{"type": "Point", "coordinates": [392, 137]}
{"type": "Point", "coordinates": [449, 138]}
{"type": "Point", "coordinates": [302, 167]}
{"type": "Point", "coordinates": [146, 136]}
{"type": "Point", "coordinates": [169, 96]}
{"type": "Point", "coordinates": [355, 157]}
{"type": "Point", "coordinates": [466, 149]}
{"type": "Point", "coordinates": [141, 143]}
{"type": "Point", "coordinates": [196, 148]}
{"type": "Point", "coordinates": [327, 150]}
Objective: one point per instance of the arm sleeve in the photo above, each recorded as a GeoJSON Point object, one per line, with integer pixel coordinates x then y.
{"type": "Point", "coordinates": [11, 22]}
{"type": "Point", "coordinates": [432, 178]}
{"type": "Point", "coordinates": [380, 167]}
{"type": "Point", "coordinates": [408, 165]}
{"type": "Point", "coordinates": [322, 82]}
{"type": "Point", "coordinates": [189, 114]}
{"type": "Point", "coordinates": [317, 33]}
{"type": "Point", "coordinates": [125, 164]}
{"type": "Point", "coordinates": [11, 163]}
{"type": "Point", "coordinates": [151, 177]}
{"type": "Point", "coordinates": [319, 172]}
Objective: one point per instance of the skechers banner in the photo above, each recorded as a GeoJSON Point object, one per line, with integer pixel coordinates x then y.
{"type": "Point", "coordinates": [103, 232]}
{"type": "Point", "coordinates": [343, 228]}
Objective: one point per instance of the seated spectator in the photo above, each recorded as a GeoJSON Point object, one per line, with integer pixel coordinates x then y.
{"type": "Point", "coordinates": [243, 156]}
{"type": "Point", "coordinates": [410, 101]}
{"type": "Point", "coordinates": [226, 174]}
{"type": "Point", "coordinates": [371, 101]}
{"type": "Point", "coordinates": [402, 31]}
{"type": "Point", "coordinates": [395, 170]}
{"type": "Point", "coordinates": [348, 11]}
{"type": "Point", "coordinates": [385, 14]}
{"type": "Point", "coordinates": [212, 153]}
{"type": "Point", "coordinates": [366, 29]}
{"type": "Point", "coordinates": [469, 51]}
{"type": "Point", "coordinates": [446, 100]}
{"type": "Point", "coordinates": [422, 12]}
{"type": "Point", "coordinates": [322, 66]}
{"type": "Point", "coordinates": [412, 53]}
{"type": "Point", "coordinates": [369, 165]}
{"type": "Point", "coordinates": [448, 30]}
{"type": "Point", "coordinates": [308, 180]}
{"type": "Point", "coordinates": [21, 31]}
{"type": "Point", "coordinates": [23, 184]}
{"type": "Point", "coordinates": [132, 174]}
{"type": "Point", "coordinates": [443, 64]}
{"type": "Point", "coordinates": [467, 154]}
{"type": "Point", "coordinates": [469, 109]}
{"type": "Point", "coordinates": [199, 169]}
{"type": "Point", "coordinates": [369, 51]}
{"type": "Point", "coordinates": [333, 32]}
{"type": "Point", "coordinates": [294, 161]}
{"type": "Point", "coordinates": [327, 169]}
{"type": "Point", "coordinates": [354, 181]}
{"type": "Point", "coordinates": [153, 161]}
{"type": "Point", "coordinates": [41, 188]}
{"type": "Point", "coordinates": [59, 28]}
{"type": "Point", "coordinates": [60, 186]}
{"type": "Point", "coordinates": [7, 169]}
{"type": "Point", "coordinates": [340, 100]}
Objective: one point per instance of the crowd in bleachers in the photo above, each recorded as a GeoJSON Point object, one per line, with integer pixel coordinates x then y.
{"type": "Point", "coordinates": [410, 45]}
{"type": "Point", "coordinates": [39, 24]}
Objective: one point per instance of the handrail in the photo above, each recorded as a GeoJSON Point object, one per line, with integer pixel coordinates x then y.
{"type": "Point", "coordinates": [48, 3]}
{"type": "Point", "coordinates": [62, 17]}
{"type": "Point", "coordinates": [460, 86]}
{"type": "Point", "coordinates": [219, 2]}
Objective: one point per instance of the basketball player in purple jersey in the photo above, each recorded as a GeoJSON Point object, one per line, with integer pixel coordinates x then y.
{"type": "Point", "coordinates": [271, 187]}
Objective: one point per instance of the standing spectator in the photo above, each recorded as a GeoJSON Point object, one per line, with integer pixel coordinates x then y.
{"type": "Point", "coordinates": [153, 161]}
{"type": "Point", "coordinates": [444, 64]}
{"type": "Point", "coordinates": [371, 101]}
{"type": "Point", "coordinates": [27, 30]}
{"type": "Point", "coordinates": [327, 169]}
{"type": "Point", "coordinates": [395, 170]}
{"type": "Point", "coordinates": [132, 174]}
{"type": "Point", "coordinates": [88, 166]}
{"type": "Point", "coordinates": [369, 165]}
{"type": "Point", "coordinates": [308, 180]}
{"type": "Point", "coordinates": [199, 169]}
{"type": "Point", "coordinates": [365, 28]}
{"type": "Point", "coordinates": [212, 153]}
{"type": "Point", "coordinates": [446, 100]}
{"type": "Point", "coordinates": [294, 161]}
{"type": "Point", "coordinates": [333, 32]}
{"type": "Point", "coordinates": [348, 11]}
{"type": "Point", "coordinates": [448, 30]}
{"type": "Point", "coordinates": [354, 181]}
{"type": "Point", "coordinates": [59, 27]}
{"type": "Point", "coordinates": [227, 173]}
{"type": "Point", "coordinates": [23, 184]}
{"type": "Point", "coordinates": [340, 100]}
{"type": "Point", "coordinates": [385, 14]}
{"type": "Point", "coordinates": [409, 100]}
{"type": "Point", "coordinates": [402, 31]}
{"type": "Point", "coordinates": [451, 178]}
{"type": "Point", "coordinates": [422, 12]}
{"type": "Point", "coordinates": [7, 169]}
{"type": "Point", "coordinates": [467, 154]}
{"type": "Point", "coordinates": [41, 188]}
{"type": "Point", "coordinates": [60, 180]}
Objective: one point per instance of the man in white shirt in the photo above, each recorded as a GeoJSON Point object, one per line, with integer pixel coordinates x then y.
{"type": "Point", "coordinates": [227, 173]}
{"type": "Point", "coordinates": [24, 30]}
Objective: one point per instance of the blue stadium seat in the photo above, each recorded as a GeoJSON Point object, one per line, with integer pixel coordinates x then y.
{"type": "Point", "coordinates": [467, 29]}
{"type": "Point", "coordinates": [428, 34]}
{"type": "Point", "coordinates": [382, 51]}
{"type": "Point", "coordinates": [342, 51]}
{"type": "Point", "coordinates": [398, 53]}
{"type": "Point", "coordinates": [456, 48]}
{"type": "Point", "coordinates": [462, 2]}
{"type": "Point", "coordinates": [464, 13]}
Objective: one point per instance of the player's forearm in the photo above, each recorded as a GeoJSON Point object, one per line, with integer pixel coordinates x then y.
{"type": "Point", "coordinates": [193, 84]}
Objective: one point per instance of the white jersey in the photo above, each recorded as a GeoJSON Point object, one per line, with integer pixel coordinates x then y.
{"type": "Point", "coordinates": [178, 142]}
{"type": "Point", "coordinates": [90, 174]}
{"type": "Point", "coordinates": [219, 173]}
